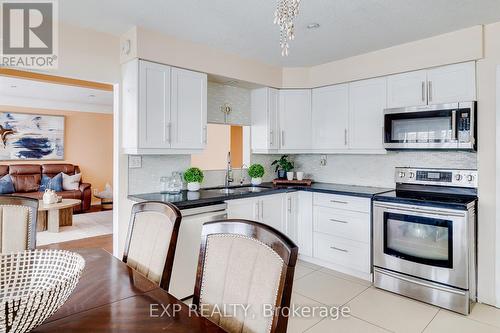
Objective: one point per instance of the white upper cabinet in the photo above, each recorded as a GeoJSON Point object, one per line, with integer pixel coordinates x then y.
{"type": "Point", "coordinates": [407, 89]}
{"type": "Point", "coordinates": [265, 131]}
{"type": "Point", "coordinates": [295, 119]}
{"type": "Point", "coordinates": [154, 100]}
{"type": "Point", "coordinates": [330, 117]}
{"type": "Point", "coordinates": [454, 83]}
{"type": "Point", "coordinates": [446, 84]}
{"type": "Point", "coordinates": [189, 109]}
{"type": "Point", "coordinates": [164, 109]}
{"type": "Point", "coordinates": [367, 101]}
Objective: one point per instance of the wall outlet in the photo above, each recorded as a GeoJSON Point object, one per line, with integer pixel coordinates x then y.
{"type": "Point", "coordinates": [322, 160]}
{"type": "Point", "coordinates": [135, 161]}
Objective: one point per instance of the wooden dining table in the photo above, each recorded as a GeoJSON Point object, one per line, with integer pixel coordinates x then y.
{"type": "Point", "coordinates": [112, 297]}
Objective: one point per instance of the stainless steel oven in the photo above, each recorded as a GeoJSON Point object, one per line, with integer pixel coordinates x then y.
{"type": "Point", "coordinates": [424, 238]}
{"type": "Point", "coordinates": [445, 126]}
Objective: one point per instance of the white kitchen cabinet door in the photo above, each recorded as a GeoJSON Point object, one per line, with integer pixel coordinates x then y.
{"type": "Point", "coordinates": [407, 89]}
{"type": "Point", "coordinates": [189, 109]}
{"type": "Point", "coordinates": [154, 105]}
{"type": "Point", "coordinates": [367, 101]}
{"type": "Point", "coordinates": [453, 83]}
{"type": "Point", "coordinates": [291, 216]}
{"type": "Point", "coordinates": [272, 211]}
{"type": "Point", "coordinates": [305, 223]}
{"type": "Point", "coordinates": [247, 209]}
{"type": "Point", "coordinates": [330, 117]}
{"type": "Point", "coordinates": [265, 132]}
{"type": "Point", "coordinates": [295, 119]}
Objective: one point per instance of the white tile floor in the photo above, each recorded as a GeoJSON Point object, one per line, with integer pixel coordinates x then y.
{"type": "Point", "coordinates": [375, 310]}
{"type": "Point", "coordinates": [84, 226]}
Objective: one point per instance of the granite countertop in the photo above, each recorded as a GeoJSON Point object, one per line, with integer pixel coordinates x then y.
{"type": "Point", "coordinates": [210, 196]}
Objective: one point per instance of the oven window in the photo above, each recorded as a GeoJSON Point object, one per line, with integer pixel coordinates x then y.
{"type": "Point", "coordinates": [419, 239]}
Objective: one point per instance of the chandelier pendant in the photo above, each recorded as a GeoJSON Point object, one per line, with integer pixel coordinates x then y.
{"type": "Point", "coordinates": [286, 12]}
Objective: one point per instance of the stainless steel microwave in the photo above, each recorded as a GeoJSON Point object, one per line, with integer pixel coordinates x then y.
{"type": "Point", "coordinates": [445, 126]}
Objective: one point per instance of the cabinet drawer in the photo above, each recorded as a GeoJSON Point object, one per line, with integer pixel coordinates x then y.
{"type": "Point", "coordinates": [343, 252]}
{"type": "Point", "coordinates": [342, 223]}
{"type": "Point", "coordinates": [342, 202]}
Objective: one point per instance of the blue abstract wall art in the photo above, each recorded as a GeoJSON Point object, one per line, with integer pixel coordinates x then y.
{"type": "Point", "coordinates": [31, 137]}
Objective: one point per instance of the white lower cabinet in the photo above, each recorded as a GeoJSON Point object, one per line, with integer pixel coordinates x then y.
{"type": "Point", "coordinates": [330, 230]}
{"type": "Point", "coordinates": [268, 209]}
{"type": "Point", "coordinates": [342, 233]}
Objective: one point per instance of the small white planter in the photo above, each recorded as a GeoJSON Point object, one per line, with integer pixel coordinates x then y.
{"type": "Point", "coordinates": [300, 175]}
{"type": "Point", "coordinates": [289, 175]}
{"type": "Point", "coordinates": [256, 181]}
{"type": "Point", "coordinates": [193, 187]}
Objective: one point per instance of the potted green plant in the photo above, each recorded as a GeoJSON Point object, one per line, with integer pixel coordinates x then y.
{"type": "Point", "coordinates": [283, 166]}
{"type": "Point", "coordinates": [193, 178]}
{"type": "Point", "coordinates": [256, 171]}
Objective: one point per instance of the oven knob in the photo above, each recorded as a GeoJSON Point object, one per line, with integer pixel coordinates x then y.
{"type": "Point", "coordinates": [401, 174]}
{"type": "Point", "coordinates": [411, 175]}
{"type": "Point", "coordinates": [458, 177]}
{"type": "Point", "coordinates": [470, 178]}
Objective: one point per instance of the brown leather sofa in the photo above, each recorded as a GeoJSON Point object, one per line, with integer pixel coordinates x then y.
{"type": "Point", "coordinates": [27, 179]}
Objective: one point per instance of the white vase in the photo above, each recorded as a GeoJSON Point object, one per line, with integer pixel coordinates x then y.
{"type": "Point", "coordinates": [195, 186]}
{"type": "Point", "coordinates": [256, 181]}
{"type": "Point", "coordinates": [300, 175]}
{"type": "Point", "coordinates": [289, 175]}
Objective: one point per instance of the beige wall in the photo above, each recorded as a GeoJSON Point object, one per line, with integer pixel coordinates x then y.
{"type": "Point", "coordinates": [88, 142]}
{"type": "Point", "coordinates": [458, 46]}
{"type": "Point", "coordinates": [214, 156]}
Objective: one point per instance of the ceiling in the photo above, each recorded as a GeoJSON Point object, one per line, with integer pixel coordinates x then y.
{"type": "Point", "coordinates": [245, 27]}
{"type": "Point", "coordinates": [29, 93]}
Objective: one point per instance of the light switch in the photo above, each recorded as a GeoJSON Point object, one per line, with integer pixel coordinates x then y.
{"type": "Point", "coordinates": [135, 161]}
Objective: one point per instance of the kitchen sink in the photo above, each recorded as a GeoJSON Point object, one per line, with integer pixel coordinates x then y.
{"type": "Point", "coordinates": [238, 190]}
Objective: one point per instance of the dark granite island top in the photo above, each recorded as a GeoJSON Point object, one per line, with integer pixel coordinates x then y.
{"type": "Point", "coordinates": [211, 196]}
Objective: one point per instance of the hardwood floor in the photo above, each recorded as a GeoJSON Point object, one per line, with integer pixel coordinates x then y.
{"type": "Point", "coordinates": [105, 242]}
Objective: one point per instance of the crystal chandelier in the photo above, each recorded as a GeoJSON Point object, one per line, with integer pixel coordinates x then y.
{"type": "Point", "coordinates": [284, 15]}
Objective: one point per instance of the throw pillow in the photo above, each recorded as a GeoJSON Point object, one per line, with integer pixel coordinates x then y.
{"type": "Point", "coordinates": [71, 183]}
{"type": "Point", "coordinates": [6, 185]}
{"type": "Point", "coordinates": [55, 183]}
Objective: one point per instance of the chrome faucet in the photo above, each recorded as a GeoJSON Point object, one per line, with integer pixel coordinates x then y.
{"type": "Point", "coordinates": [229, 171]}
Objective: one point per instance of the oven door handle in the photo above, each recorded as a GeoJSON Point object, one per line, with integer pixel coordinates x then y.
{"type": "Point", "coordinates": [428, 285]}
{"type": "Point", "coordinates": [420, 210]}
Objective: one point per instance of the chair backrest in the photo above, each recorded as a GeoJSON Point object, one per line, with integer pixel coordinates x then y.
{"type": "Point", "coordinates": [244, 262]}
{"type": "Point", "coordinates": [18, 216]}
{"type": "Point", "coordinates": [151, 240]}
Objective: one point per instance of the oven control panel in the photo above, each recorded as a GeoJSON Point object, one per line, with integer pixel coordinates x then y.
{"type": "Point", "coordinates": [446, 177]}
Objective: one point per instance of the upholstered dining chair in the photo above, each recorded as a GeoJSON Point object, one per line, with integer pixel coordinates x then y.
{"type": "Point", "coordinates": [249, 263]}
{"type": "Point", "coordinates": [151, 240]}
{"type": "Point", "coordinates": [18, 216]}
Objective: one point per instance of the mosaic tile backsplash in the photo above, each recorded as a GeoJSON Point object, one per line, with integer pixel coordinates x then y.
{"type": "Point", "coordinates": [369, 170]}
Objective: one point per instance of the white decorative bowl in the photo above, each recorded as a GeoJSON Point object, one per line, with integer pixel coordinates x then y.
{"type": "Point", "coordinates": [34, 285]}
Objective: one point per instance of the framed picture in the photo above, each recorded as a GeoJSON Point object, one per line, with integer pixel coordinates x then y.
{"type": "Point", "coordinates": [31, 137]}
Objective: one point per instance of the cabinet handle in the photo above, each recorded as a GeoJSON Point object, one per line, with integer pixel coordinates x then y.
{"type": "Point", "coordinates": [290, 205]}
{"type": "Point", "coordinates": [423, 91]}
{"type": "Point", "coordinates": [430, 91]}
{"type": "Point", "coordinates": [454, 135]}
{"type": "Point", "coordinates": [205, 134]}
{"type": "Point", "coordinates": [345, 137]}
{"type": "Point", "coordinates": [262, 210]}
{"type": "Point", "coordinates": [257, 204]}
{"type": "Point", "coordinates": [339, 202]}
{"type": "Point", "coordinates": [282, 138]}
{"type": "Point", "coordinates": [339, 221]}
{"type": "Point", "coordinates": [271, 137]}
{"type": "Point", "coordinates": [169, 126]}
{"type": "Point", "coordinates": [338, 249]}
